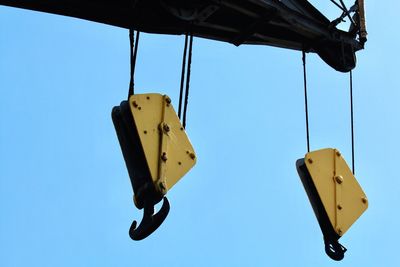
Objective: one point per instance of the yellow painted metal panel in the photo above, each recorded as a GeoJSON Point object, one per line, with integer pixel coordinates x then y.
{"type": "Point", "coordinates": [167, 148]}
{"type": "Point", "coordinates": [340, 193]}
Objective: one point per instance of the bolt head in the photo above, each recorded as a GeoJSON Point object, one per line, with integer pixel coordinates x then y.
{"type": "Point", "coordinates": [310, 160]}
{"type": "Point", "coordinates": [339, 207]}
{"type": "Point", "coordinates": [162, 186]}
{"type": "Point", "coordinates": [340, 232]}
{"type": "Point", "coordinates": [166, 128]}
{"type": "Point", "coordinates": [364, 200]}
{"type": "Point", "coordinates": [339, 179]}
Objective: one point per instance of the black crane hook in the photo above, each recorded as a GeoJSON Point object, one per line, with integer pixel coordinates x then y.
{"type": "Point", "coordinates": [334, 249]}
{"type": "Point", "coordinates": [150, 221]}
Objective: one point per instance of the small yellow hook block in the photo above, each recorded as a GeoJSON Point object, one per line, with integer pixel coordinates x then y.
{"type": "Point", "coordinates": [341, 195]}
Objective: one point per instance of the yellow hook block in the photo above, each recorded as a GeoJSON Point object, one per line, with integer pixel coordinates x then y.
{"type": "Point", "coordinates": [334, 193]}
{"type": "Point", "coordinates": [168, 151]}
{"type": "Point", "coordinates": [341, 195]}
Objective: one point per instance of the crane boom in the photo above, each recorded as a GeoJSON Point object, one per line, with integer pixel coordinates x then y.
{"type": "Point", "coordinates": [291, 24]}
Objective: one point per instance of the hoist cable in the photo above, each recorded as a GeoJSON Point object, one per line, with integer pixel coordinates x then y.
{"type": "Point", "coordinates": [182, 76]}
{"type": "Point", "coordinates": [352, 121]}
{"type": "Point", "coordinates": [133, 54]}
{"type": "Point", "coordinates": [306, 100]}
{"type": "Point", "coordinates": [187, 80]}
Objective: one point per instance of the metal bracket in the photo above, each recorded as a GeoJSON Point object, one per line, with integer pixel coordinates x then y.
{"type": "Point", "coordinates": [338, 180]}
{"type": "Point", "coordinates": [164, 130]}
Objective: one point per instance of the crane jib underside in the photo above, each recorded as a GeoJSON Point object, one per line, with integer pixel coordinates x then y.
{"type": "Point", "coordinates": [292, 24]}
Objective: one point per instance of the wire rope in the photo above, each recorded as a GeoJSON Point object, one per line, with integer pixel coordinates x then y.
{"type": "Point", "coordinates": [187, 80]}
{"type": "Point", "coordinates": [306, 99]}
{"type": "Point", "coordinates": [133, 55]}
{"type": "Point", "coordinates": [182, 76]}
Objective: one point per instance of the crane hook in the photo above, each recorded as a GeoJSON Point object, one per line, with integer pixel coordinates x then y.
{"type": "Point", "coordinates": [334, 249]}
{"type": "Point", "coordinates": [150, 221]}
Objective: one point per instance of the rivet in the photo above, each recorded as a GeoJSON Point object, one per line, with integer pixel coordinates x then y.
{"type": "Point", "coordinates": [339, 179]}
{"type": "Point", "coordinates": [145, 132]}
{"type": "Point", "coordinates": [192, 155]}
{"type": "Point", "coordinates": [310, 160]}
{"type": "Point", "coordinates": [135, 104]}
{"type": "Point", "coordinates": [364, 200]}
{"type": "Point", "coordinates": [180, 163]}
{"type": "Point", "coordinates": [148, 97]}
{"type": "Point", "coordinates": [181, 128]}
{"type": "Point", "coordinates": [339, 207]}
{"type": "Point", "coordinates": [338, 153]}
{"type": "Point", "coordinates": [139, 108]}
{"type": "Point", "coordinates": [164, 156]}
{"type": "Point", "coordinates": [168, 100]}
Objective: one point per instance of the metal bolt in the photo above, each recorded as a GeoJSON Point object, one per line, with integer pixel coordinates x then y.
{"type": "Point", "coordinates": [148, 97]}
{"type": "Point", "coordinates": [166, 128]}
{"type": "Point", "coordinates": [339, 179]}
{"type": "Point", "coordinates": [192, 155]}
{"type": "Point", "coordinates": [310, 160]}
{"type": "Point", "coordinates": [139, 108]}
{"type": "Point", "coordinates": [340, 232]}
{"type": "Point", "coordinates": [145, 132]}
{"type": "Point", "coordinates": [180, 163]}
{"type": "Point", "coordinates": [164, 156]}
{"type": "Point", "coordinates": [168, 100]}
{"type": "Point", "coordinates": [135, 104]}
{"type": "Point", "coordinates": [162, 186]}
{"type": "Point", "coordinates": [364, 200]}
{"type": "Point", "coordinates": [181, 128]}
{"type": "Point", "coordinates": [338, 153]}
{"type": "Point", "coordinates": [339, 207]}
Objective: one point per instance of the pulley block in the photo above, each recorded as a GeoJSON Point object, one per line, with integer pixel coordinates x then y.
{"type": "Point", "coordinates": [157, 154]}
{"type": "Point", "coordinates": [335, 195]}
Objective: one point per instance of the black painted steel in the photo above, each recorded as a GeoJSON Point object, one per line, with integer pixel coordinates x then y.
{"type": "Point", "coordinates": [332, 246]}
{"type": "Point", "coordinates": [145, 193]}
{"type": "Point", "coordinates": [292, 24]}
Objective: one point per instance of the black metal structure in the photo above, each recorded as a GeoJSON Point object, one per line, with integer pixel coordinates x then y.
{"type": "Point", "coordinates": [146, 195]}
{"type": "Point", "coordinates": [292, 24]}
{"type": "Point", "coordinates": [331, 239]}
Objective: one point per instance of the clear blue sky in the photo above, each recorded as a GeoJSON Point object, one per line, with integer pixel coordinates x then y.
{"type": "Point", "coordinates": [65, 195]}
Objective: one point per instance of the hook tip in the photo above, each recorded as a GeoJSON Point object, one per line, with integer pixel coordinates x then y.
{"type": "Point", "coordinates": [132, 230]}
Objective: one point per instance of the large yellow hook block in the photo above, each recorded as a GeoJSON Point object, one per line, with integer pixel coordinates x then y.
{"type": "Point", "coordinates": [157, 153]}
